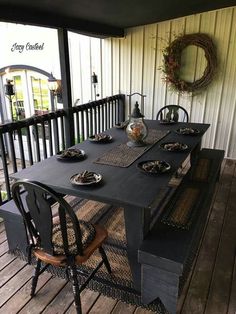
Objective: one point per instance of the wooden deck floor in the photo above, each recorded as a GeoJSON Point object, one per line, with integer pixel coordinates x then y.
{"type": "Point", "coordinates": [211, 288]}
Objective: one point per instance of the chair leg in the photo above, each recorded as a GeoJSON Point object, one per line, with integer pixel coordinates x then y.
{"type": "Point", "coordinates": [76, 292]}
{"type": "Point", "coordinates": [105, 259]}
{"type": "Point", "coordinates": [35, 278]}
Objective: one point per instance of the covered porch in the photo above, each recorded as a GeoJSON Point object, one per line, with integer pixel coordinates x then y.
{"type": "Point", "coordinates": [128, 64]}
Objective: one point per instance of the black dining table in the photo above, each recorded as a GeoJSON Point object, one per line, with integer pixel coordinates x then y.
{"type": "Point", "coordinates": [137, 192]}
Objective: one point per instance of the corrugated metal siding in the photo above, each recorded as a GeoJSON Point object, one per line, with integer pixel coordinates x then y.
{"type": "Point", "coordinates": [131, 64]}
{"type": "Point", "coordinates": [142, 56]}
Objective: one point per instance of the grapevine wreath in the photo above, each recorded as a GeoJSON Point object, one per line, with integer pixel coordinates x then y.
{"type": "Point", "coordinates": [172, 62]}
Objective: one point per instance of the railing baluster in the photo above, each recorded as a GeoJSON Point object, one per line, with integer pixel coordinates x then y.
{"type": "Point", "coordinates": [28, 139]}
{"type": "Point", "coordinates": [121, 108]}
{"type": "Point", "coordinates": [82, 125]}
{"type": "Point", "coordinates": [113, 120]}
{"type": "Point", "coordinates": [50, 137]}
{"type": "Point", "coordinates": [103, 115]}
{"type": "Point", "coordinates": [4, 164]}
{"type": "Point", "coordinates": [63, 144]}
{"type": "Point", "coordinates": [56, 135]}
{"type": "Point", "coordinates": [36, 138]}
{"type": "Point", "coordinates": [109, 114]}
{"type": "Point", "coordinates": [116, 111]}
{"type": "Point", "coordinates": [21, 147]}
{"type": "Point", "coordinates": [77, 127]}
{"type": "Point", "coordinates": [95, 119]}
{"type": "Point", "coordinates": [87, 122]}
{"type": "Point", "coordinates": [12, 150]}
{"type": "Point", "coordinates": [43, 126]}
{"type": "Point", "coordinates": [91, 121]}
{"type": "Point", "coordinates": [99, 119]}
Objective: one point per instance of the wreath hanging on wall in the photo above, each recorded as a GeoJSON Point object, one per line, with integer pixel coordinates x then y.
{"type": "Point", "coordinates": [172, 62]}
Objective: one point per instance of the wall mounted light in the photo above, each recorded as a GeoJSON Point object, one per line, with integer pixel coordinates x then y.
{"type": "Point", "coordinates": [94, 80]}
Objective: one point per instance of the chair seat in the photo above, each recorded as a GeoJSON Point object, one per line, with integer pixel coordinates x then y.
{"type": "Point", "coordinates": [60, 260]}
{"type": "Point", "coordinates": [87, 235]}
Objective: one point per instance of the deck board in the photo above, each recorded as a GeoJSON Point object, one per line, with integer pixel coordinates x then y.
{"type": "Point", "coordinates": [195, 300]}
{"type": "Point", "coordinates": [232, 300]}
{"type": "Point", "coordinates": [221, 282]}
{"type": "Point", "coordinates": [44, 296]}
{"type": "Point", "coordinates": [19, 299]}
{"type": "Point", "coordinates": [211, 288]}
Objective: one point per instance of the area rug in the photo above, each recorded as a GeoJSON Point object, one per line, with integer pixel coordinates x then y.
{"type": "Point", "coordinates": [119, 285]}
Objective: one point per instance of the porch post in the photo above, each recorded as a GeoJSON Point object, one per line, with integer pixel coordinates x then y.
{"type": "Point", "coordinates": [66, 85]}
{"type": "Point", "coordinates": [122, 108]}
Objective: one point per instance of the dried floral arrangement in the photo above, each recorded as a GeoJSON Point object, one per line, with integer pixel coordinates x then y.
{"type": "Point", "coordinates": [172, 62]}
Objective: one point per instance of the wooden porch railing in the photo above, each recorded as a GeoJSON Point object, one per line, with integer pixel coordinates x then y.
{"type": "Point", "coordinates": [98, 116]}
{"type": "Point", "coordinates": [27, 141]}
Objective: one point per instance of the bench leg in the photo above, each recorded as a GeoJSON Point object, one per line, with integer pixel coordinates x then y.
{"type": "Point", "coordinates": [16, 233]}
{"type": "Point", "coordinates": [159, 283]}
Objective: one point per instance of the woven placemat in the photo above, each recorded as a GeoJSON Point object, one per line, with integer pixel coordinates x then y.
{"type": "Point", "coordinates": [180, 211]}
{"type": "Point", "coordinates": [123, 155]}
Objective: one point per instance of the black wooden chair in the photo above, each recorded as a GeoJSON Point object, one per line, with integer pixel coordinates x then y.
{"type": "Point", "coordinates": [61, 240]}
{"type": "Point", "coordinates": [173, 113]}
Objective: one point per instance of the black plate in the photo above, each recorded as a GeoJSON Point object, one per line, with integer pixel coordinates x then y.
{"type": "Point", "coordinates": [153, 166]}
{"type": "Point", "coordinates": [187, 131]}
{"type": "Point", "coordinates": [174, 146]}
{"type": "Point", "coordinates": [71, 154]}
{"type": "Point", "coordinates": [97, 179]}
{"type": "Point", "coordinates": [122, 125]}
{"type": "Point", "coordinates": [100, 138]}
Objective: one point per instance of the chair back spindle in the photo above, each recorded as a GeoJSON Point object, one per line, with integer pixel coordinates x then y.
{"type": "Point", "coordinates": [173, 113]}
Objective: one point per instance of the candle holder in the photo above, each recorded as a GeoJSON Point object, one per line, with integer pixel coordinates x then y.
{"type": "Point", "coordinates": [136, 129]}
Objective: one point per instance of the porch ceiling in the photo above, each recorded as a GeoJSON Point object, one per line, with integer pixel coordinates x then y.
{"type": "Point", "coordinates": [102, 17]}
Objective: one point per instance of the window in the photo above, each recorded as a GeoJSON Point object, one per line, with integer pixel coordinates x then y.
{"type": "Point", "coordinates": [40, 95]}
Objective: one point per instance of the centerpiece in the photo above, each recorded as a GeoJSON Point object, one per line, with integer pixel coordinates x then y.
{"type": "Point", "coordinates": [136, 129]}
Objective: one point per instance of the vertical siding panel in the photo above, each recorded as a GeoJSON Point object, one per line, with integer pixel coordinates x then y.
{"type": "Point", "coordinates": [107, 68]}
{"type": "Point", "coordinates": [125, 66]}
{"type": "Point", "coordinates": [214, 94]}
{"type": "Point", "coordinates": [116, 66]}
{"type": "Point", "coordinates": [207, 25]}
{"type": "Point", "coordinates": [137, 62]}
{"type": "Point", "coordinates": [86, 69]}
{"type": "Point", "coordinates": [95, 46]}
{"type": "Point", "coordinates": [189, 61]}
{"type": "Point", "coordinates": [149, 68]}
{"type": "Point", "coordinates": [75, 66]}
{"type": "Point", "coordinates": [228, 95]}
{"type": "Point", "coordinates": [163, 33]}
{"type": "Point", "coordinates": [231, 145]}
{"type": "Point", "coordinates": [177, 28]}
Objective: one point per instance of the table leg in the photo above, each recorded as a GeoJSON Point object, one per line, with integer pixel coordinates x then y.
{"type": "Point", "coordinates": [195, 153]}
{"type": "Point", "coordinates": [137, 221]}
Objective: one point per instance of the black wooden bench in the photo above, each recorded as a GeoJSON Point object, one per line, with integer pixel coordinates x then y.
{"type": "Point", "coordinates": [15, 228]}
{"type": "Point", "coordinates": [167, 253]}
